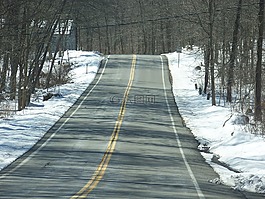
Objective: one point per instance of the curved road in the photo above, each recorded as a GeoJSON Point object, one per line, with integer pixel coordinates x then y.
{"type": "Point", "coordinates": [123, 138]}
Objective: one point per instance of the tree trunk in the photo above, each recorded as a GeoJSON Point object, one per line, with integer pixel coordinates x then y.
{"type": "Point", "coordinates": [4, 72]}
{"type": "Point", "coordinates": [143, 23]}
{"type": "Point", "coordinates": [233, 53]}
{"type": "Point", "coordinates": [60, 37]}
{"type": "Point", "coordinates": [211, 9]}
{"type": "Point", "coordinates": [14, 15]}
{"type": "Point", "coordinates": [206, 63]}
{"type": "Point", "coordinates": [258, 112]}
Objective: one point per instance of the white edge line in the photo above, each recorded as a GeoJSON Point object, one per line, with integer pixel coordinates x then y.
{"type": "Point", "coordinates": [48, 140]}
{"type": "Point", "coordinates": [195, 183]}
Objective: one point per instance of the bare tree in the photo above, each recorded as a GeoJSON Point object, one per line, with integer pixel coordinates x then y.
{"type": "Point", "coordinates": [211, 51]}
{"type": "Point", "coordinates": [258, 89]}
{"type": "Point", "coordinates": [233, 52]}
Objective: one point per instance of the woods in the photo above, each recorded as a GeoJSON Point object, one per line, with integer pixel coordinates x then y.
{"type": "Point", "coordinates": [26, 34]}
{"type": "Point", "coordinates": [230, 33]}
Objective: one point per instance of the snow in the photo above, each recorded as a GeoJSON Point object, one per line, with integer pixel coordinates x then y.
{"type": "Point", "coordinates": [217, 128]}
{"type": "Point", "coordinates": [22, 130]}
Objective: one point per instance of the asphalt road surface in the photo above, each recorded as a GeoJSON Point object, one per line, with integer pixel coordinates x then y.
{"type": "Point", "coordinates": [123, 138]}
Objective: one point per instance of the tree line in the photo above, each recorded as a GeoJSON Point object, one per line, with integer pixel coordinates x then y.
{"type": "Point", "coordinates": [26, 32]}
{"type": "Point", "coordinates": [229, 32]}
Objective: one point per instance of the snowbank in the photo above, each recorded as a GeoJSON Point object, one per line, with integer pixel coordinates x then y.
{"type": "Point", "coordinates": [21, 131]}
{"type": "Point", "coordinates": [240, 154]}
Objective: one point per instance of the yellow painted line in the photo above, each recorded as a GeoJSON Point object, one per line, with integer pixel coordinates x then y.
{"type": "Point", "coordinates": [101, 169]}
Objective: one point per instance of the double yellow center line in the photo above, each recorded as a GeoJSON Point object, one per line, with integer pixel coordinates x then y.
{"type": "Point", "coordinates": [101, 169]}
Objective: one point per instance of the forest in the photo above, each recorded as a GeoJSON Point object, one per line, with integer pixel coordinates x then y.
{"type": "Point", "coordinates": [228, 32]}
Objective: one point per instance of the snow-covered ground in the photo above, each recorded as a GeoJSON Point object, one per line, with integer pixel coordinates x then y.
{"type": "Point", "coordinates": [22, 130]}
{"type": "Point", "coordinates": [218, 128]}
{"type": "Point", "coordinates": [227, 141]}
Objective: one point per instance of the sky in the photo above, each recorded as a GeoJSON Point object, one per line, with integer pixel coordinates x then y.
{"type": "Point", "coordinates": [240, 155]}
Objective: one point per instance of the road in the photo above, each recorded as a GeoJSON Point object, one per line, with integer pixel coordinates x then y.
{"type": "Point", "coordinates": [123, 138]}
